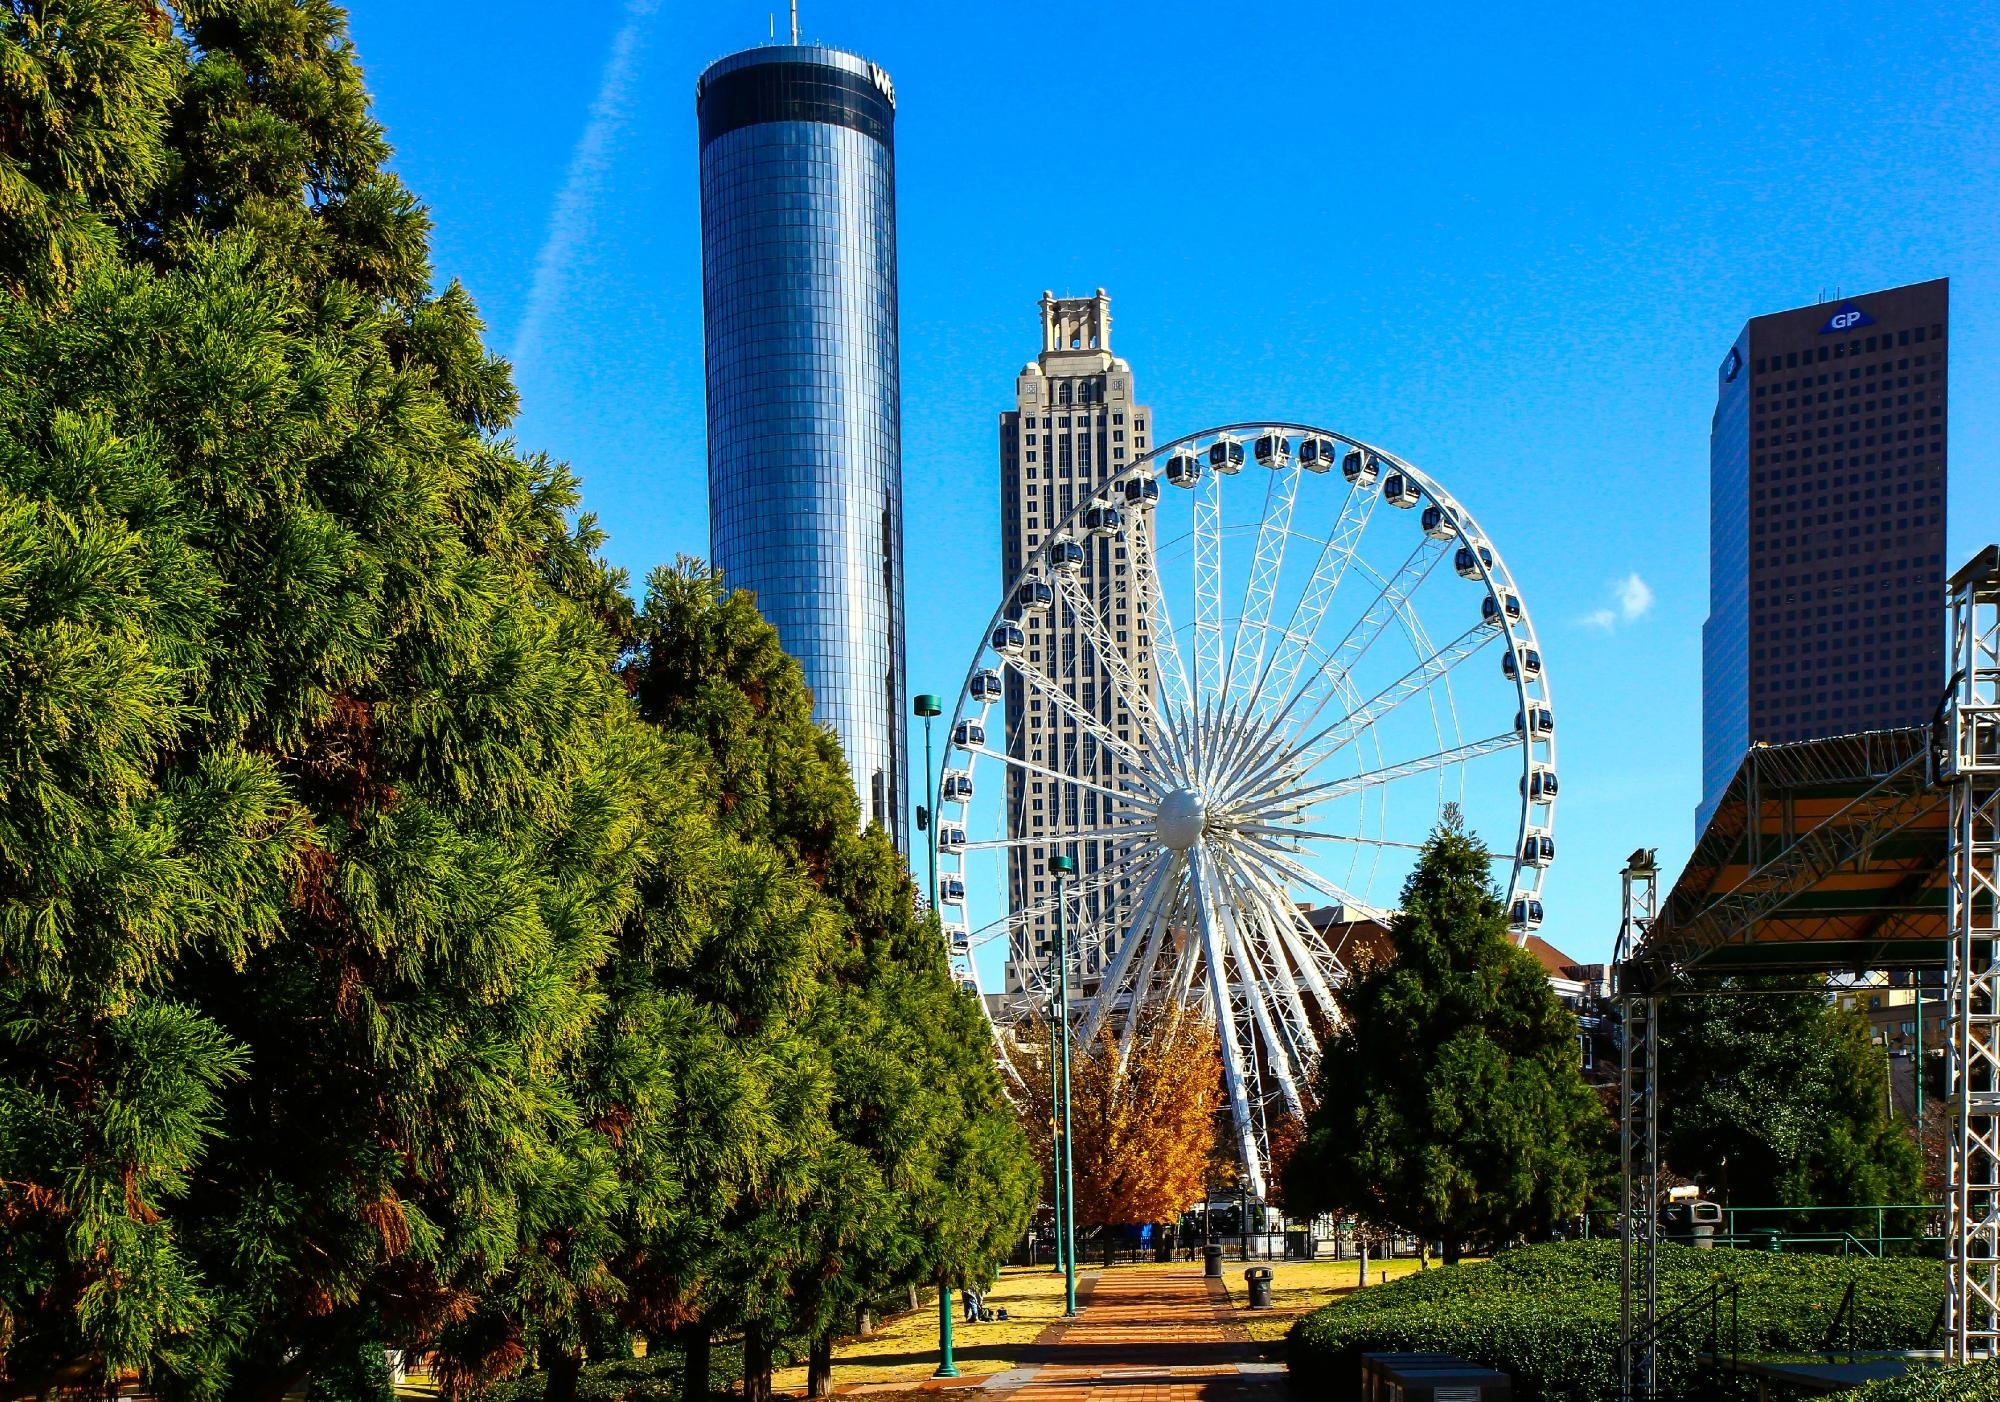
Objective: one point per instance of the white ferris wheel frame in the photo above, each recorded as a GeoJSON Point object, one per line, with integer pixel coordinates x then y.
{"type": "Point", "coordinates": [1202, 710]}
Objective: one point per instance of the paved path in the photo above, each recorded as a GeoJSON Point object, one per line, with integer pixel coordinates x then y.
{"type": "Point", "coordinates": [1147, 1336]}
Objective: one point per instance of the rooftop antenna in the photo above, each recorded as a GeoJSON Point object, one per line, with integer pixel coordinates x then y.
{"type": "Point", "coordinates": [773, 17]}
{"type": "Point", "coordinates": [795, 23]}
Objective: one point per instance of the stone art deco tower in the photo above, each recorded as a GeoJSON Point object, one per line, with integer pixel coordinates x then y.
{"type": "Point", "coordinates": [1074, 426]}
{"type": "Point", "coordinates": [805, 488]}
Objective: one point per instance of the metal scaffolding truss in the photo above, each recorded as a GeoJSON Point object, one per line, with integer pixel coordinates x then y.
{"type": "Point", "coordinates": [1864, 852]}
{"type": "Point", "coordinates": [1638, 1136]}
{"type": "Point", "coordinates": [1795, 817]}
{"type": "Point", "coordinates": [1971, 770]}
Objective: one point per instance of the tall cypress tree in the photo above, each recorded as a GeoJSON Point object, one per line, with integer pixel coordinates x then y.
{"type": "Point", "coordinates": [1451, 1102]}
{"type": "Point", "coordinates": [318, 795]}
{"type": "Point", "coordinates": [924, 1177]}
{"type": "Point", "coordinates": [372, 967]}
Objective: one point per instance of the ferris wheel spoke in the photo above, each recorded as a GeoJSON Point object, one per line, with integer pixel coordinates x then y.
{"type": "Point", "coordinates": [1383, 703]}
{"type": "Point", "coordinates": [1158, 936]}
{"type": "Point", "coordinates": [1246, 667]}
{"type": "Point", "coordinates": [1286, 830]}
{"type": "Point", "coordinates": [1208, 678]}
{"type": "Point", "coordinates": [1150, 899]}
{"type": "Point", "coordinates": [1130, 865]}
{"type": "Point", "coordinates": [1060, 699]}
{"type": "Point", "coordinates": [1135, 833]}
{"type": "Point", "coordinates": [1293, 931]}
{"type": "Point", "coordinates": [1287, 861]}
{"type": "Point", "coordinates": [1152, 598]}
{"type": "Point", "coordinates": [1389, 774]}
{"type": "Point", "coordinates": [1287, 1031]}
{"type": "Point", "coordinates": [1252, 977]}
{"type": "Point", "coordinates": [1112, 662]}
{"type": "Point", "coordinates": [1318, 963]}
{"type": "Point", "coordinates": [1388, 605]}
{"type": "Point", "coordinates": [1131, 797]}
{"type": "Point", "coordinates": [1302, 628]}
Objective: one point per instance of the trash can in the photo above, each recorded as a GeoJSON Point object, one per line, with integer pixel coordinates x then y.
{"type": "Point", "coordinates": [1259, 1280]}
{"type": "Point", "coordinates": [1211, 1262]}
{"type": "Point", "coordinates": [1704, 1217]}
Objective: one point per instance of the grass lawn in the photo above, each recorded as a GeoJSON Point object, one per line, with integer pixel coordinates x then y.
{"type": "Point", "coordinates": [1300, 1287]}
{"type": "Point", "coordinates": [903, 1349]}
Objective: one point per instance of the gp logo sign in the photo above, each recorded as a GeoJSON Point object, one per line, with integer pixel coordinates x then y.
{"type": "Point", "coordinates": [1846, 319]}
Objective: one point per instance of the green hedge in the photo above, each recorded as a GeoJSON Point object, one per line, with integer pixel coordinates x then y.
{"type": "Point", "coordinates": [1548, 1315]}
{"type": "Point", "coordinates": [1978, 1382]}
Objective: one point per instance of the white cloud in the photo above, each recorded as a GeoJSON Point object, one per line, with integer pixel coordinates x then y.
{"type": "Point", "coordinates": [589, 164]}
{"type": "Point", "coordinates": [1631, 600]}
{"type": "Point", "coordinates": [1635, 598]}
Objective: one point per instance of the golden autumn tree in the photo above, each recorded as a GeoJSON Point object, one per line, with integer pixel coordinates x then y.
{"type": "Point", "coordinates": [1142, 1129]}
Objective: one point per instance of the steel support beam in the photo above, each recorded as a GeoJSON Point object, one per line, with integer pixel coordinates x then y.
{"type": "Point", "coordinates": [1638, 1135]}
{"type": "Point", "coordinates": [1970, 767]}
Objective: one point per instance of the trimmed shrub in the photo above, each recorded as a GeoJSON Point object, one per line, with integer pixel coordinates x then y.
{"type": "Point", "coordinates": [1548, 1316]}
{"type": "Point", "coordinates": [1976, 1382]}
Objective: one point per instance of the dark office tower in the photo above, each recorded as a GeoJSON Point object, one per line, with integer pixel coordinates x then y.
{"type": "Point", "coordinates": [805, 484]}
{"type": "Point", "coordinates": [1826, 526]}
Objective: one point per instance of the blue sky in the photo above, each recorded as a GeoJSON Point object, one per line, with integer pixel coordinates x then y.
{"type": "Point", "coordinates": [1511, 245]}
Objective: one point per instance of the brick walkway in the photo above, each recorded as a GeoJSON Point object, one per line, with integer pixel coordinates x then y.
{"type": "Point", "coordinates": [1149, 1336]}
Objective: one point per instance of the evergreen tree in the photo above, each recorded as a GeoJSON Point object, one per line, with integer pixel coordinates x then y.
{"type": "Point", "coordinates": [799, 1108]}
{"type": "Point", "coordinates": [378, 963]}
{"type": "Point", "coordinates": [1774, 1098]}
{"type": "Point", "coordinates": [318, 796]}
{"type": "Point", "coordinates": [1451, 1102]}
{"type": "Point", "coordinates": [925, 1177]}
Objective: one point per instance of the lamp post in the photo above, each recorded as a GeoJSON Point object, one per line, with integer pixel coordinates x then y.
{"type": "Point", "coordinates": [1055, 1129]}
{"type": "Point", "coordinates": [1063, 865]}
{"type": "Point", "coordinates": [929, 708]}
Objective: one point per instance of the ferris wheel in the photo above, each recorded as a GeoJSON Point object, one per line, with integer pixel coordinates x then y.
{"type": "Point", "coordinates": [1238, 680]}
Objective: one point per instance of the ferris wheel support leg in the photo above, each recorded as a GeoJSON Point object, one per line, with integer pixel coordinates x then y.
{"type": "Point", "coordinates": [1213, 944]}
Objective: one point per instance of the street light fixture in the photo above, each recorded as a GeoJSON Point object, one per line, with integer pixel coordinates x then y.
{"type": "Point", "coordinates": [1063, 865]}
{"type": "Point", "coordinates": [928, 707]}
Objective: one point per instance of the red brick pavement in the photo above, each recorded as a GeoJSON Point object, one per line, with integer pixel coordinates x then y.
{"type": "Point", "coordinates": [1151, 1336]}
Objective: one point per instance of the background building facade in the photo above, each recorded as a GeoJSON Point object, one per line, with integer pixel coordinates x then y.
{"type": "Point", "coordinates": [798, 234]}
{"type": "Point", "coordinates": [1075, 425]}
{"type": "Point", "coordinates": [1826, 526]}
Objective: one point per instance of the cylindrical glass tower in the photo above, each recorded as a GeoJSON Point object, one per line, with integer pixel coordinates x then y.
{"type": "Point", "coordinates": [805, 481]}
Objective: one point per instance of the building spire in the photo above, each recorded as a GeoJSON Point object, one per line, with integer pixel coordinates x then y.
{"type": "Point", "coordinates": [795, 23]}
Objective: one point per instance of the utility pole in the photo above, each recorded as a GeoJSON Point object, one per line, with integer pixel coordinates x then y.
{"type": "Point", "coordinates": [1063, 866]}
{"type": "Point", "coordinates": [928, 707]}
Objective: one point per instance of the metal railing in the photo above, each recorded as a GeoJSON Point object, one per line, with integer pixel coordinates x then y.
{"type": "Point", "coordinates": [1922, 1229]}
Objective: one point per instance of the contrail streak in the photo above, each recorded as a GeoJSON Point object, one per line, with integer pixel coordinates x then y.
{"type": "Point", "coordinates": [589, 164]}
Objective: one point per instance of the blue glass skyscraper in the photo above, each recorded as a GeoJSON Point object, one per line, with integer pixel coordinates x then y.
{"type": "Point", "coordinates": [805, 483]}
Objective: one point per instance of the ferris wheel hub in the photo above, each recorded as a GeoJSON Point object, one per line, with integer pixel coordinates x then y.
{"type": "Point", "coordinates": [1181, 819]}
